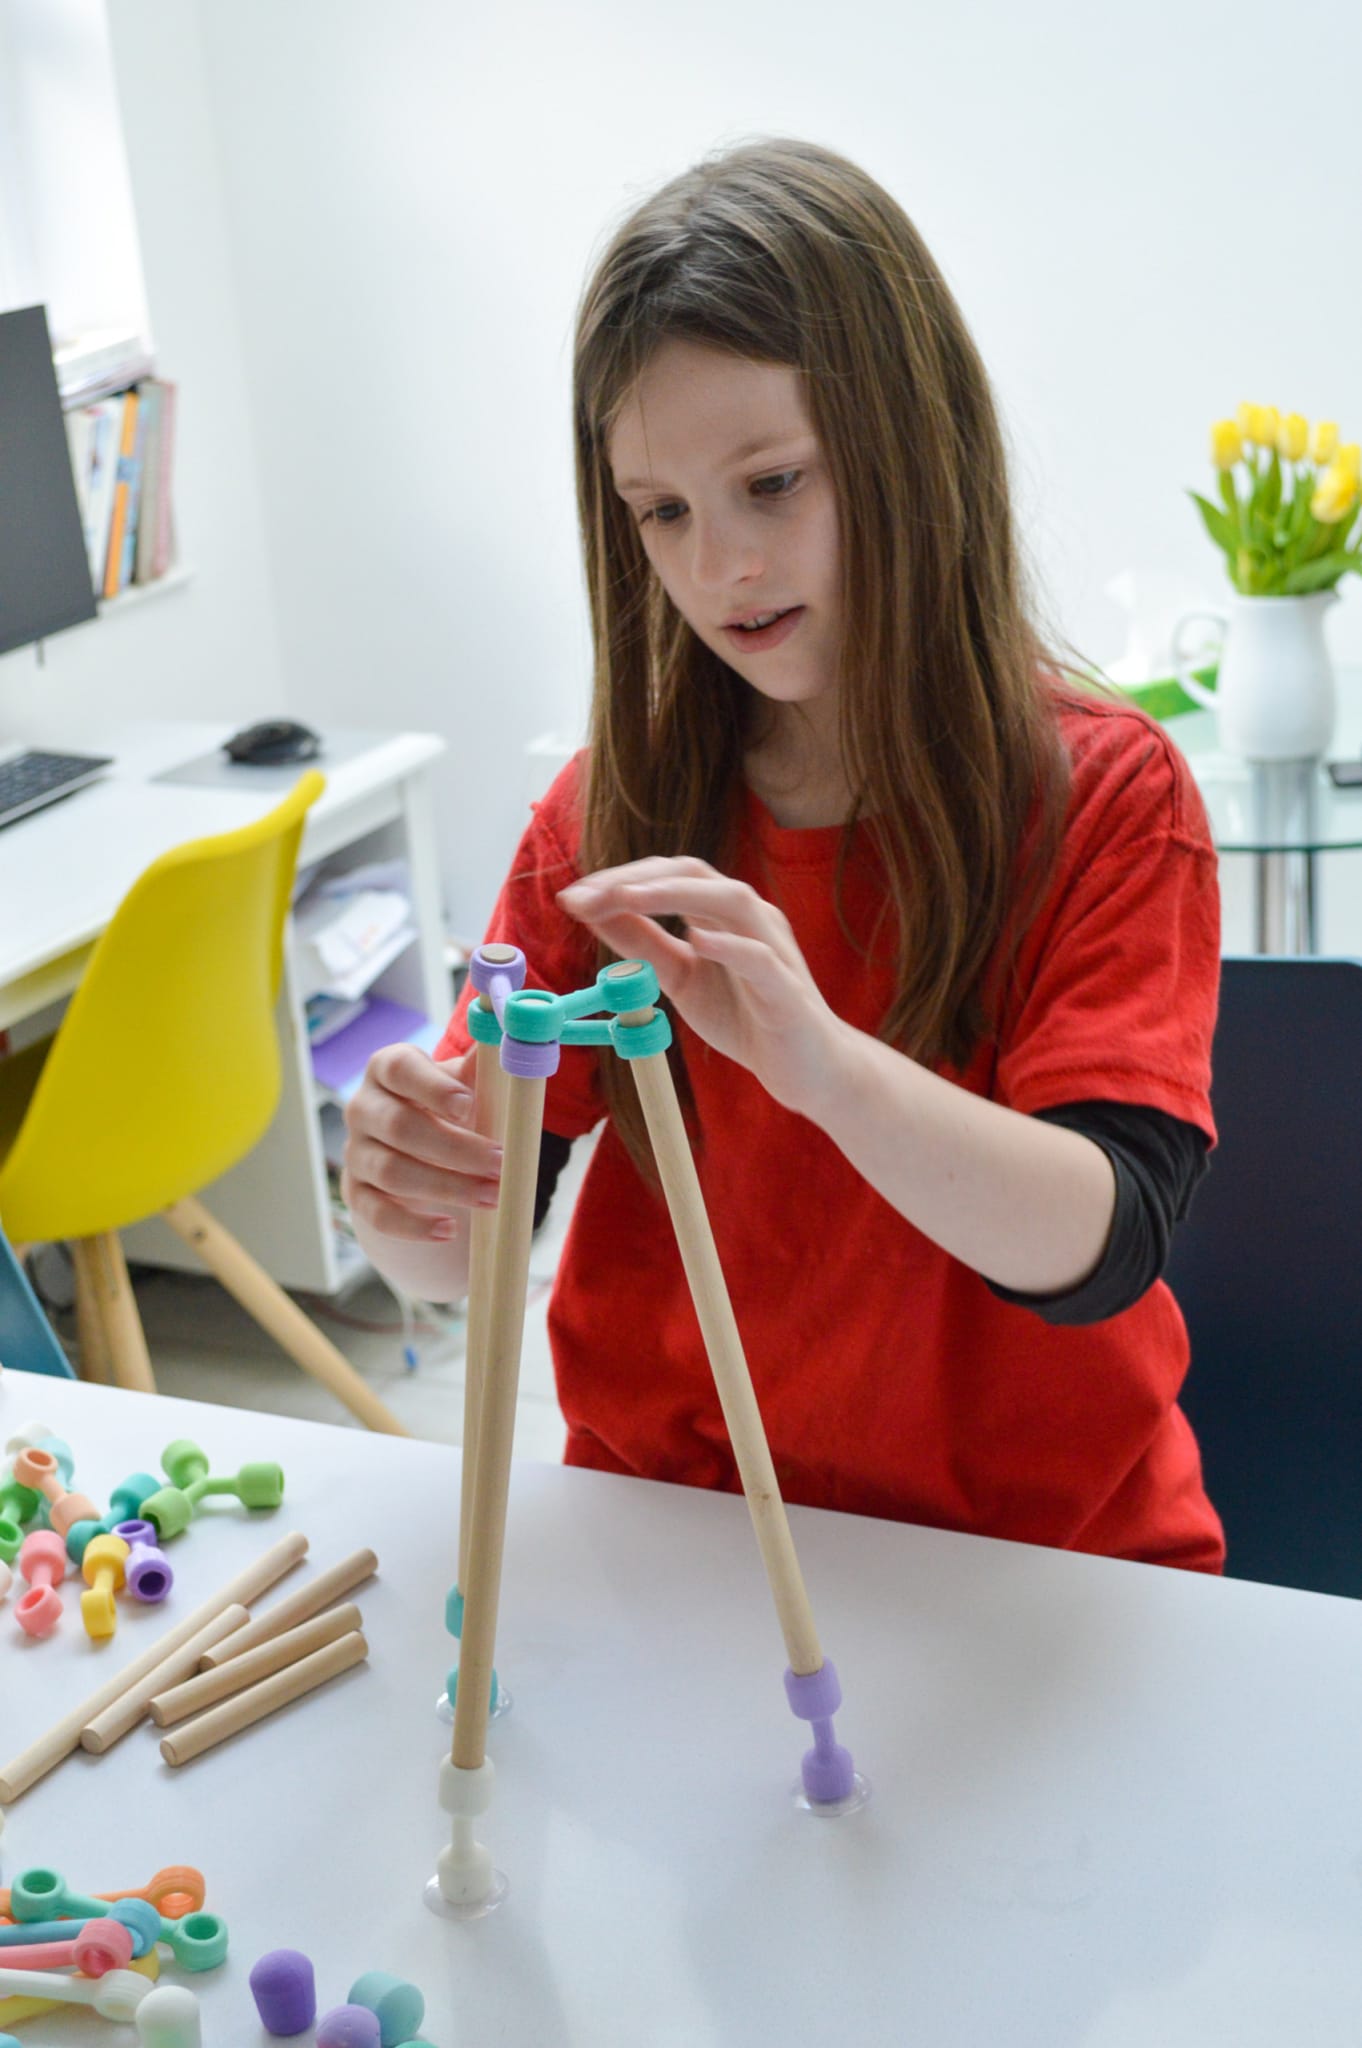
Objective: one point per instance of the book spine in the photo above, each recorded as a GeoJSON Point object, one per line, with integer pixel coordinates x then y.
{"type": "Point", "coordinates": [163, 543]}
{"type": "Point", "coordinates": [151, 476]}
{"type": "Point", "coordinates": [79, 437]}
{"type": "Point", "coordinates": [127, 447]}
{"type": "Point", "coordinates": [103, 469]}
{"type": "Point", "coordinates": [138, 470]}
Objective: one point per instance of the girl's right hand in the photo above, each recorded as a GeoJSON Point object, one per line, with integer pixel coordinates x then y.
{"type": "Point", "coordinates": [412, 1159]}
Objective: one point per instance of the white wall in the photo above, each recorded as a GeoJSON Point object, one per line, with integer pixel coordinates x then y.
{"type": "Point", "coordinates": [1146, 221]}
{"type": "Point", "coordinates": [210, 648]}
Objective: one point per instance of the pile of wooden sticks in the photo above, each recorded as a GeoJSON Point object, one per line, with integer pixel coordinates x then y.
{"type": "Point", "coordinates": [219, 1666]}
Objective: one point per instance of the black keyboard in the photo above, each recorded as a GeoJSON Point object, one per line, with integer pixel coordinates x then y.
{"type": "Point", "coordinates": [30, 780]}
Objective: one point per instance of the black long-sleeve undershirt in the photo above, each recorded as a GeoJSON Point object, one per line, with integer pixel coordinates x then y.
{"type": "Point", "coordinates": [1157, 1159]}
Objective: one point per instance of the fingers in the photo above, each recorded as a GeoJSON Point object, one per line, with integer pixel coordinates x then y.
{"type": "Point", "coordinates": [412, 1162]}
{"type": "Point", "coordinates": [440, 1086]}
{"type": "Point", "coordinates": [428, 1190]}
{"type": "Point", "coordinates": [677, 888]}
{"type": "Point", "coordinates": [752, 960]}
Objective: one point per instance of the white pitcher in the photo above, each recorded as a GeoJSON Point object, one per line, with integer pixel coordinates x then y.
{"type": "Point", "coordinates": [1275, 698]}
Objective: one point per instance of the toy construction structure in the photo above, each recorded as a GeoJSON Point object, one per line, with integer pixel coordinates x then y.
{"type": "Point", "coordinates": [518, 1032]}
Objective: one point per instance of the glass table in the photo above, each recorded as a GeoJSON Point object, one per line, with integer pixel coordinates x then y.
{"type": "Point", "coordinates": [1284, 814]}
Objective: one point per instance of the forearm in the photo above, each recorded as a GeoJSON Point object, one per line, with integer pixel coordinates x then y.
{"type": "Point", "coordinates": [1027, 1204]}
{"type": "Point", "coordinates": [425, 1270]}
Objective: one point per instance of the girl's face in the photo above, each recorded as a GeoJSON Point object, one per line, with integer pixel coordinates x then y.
{"type": "Point", "coordinates": [718, 461]}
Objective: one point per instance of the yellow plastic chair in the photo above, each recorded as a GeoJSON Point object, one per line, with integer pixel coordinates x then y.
{"type": "Point", "coordinates": [164, 1072]}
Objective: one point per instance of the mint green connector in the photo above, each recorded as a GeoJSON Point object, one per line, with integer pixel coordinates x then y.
{"type": "Point", "coordinates": [536, 1017]}
{"type": "Point", "coordinates": [172, 1508]}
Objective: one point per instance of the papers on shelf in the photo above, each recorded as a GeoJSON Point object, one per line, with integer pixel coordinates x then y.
{"type": "Point", "coordinates": [347, 936]}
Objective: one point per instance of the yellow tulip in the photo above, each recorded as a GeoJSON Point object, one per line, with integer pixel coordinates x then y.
{"type": "Point", "coordinates": [1349, 459]}
{"type": "Point", "coordinates": [1246, 416]}
{"type": "Point", "coordinates": [1269, 420]}
{"type": "Point", "coordinates": [1335, 494]}
{"type": "Point", "coordinates": [1325, 441]}
{"type": "Point", "coordinates": [1226, 444]}
{"type": "Point", "coordinates": [1293, 436]}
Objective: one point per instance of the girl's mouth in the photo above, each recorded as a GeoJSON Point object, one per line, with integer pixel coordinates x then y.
{"type": "Point", "coordinates": [753, 640]}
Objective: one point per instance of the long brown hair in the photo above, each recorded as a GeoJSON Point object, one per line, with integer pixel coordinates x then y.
{"type": "Point", "coordinates": [783, 252]}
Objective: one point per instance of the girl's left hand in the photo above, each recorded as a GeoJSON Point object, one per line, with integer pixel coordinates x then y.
{"type": "Point", "coordinates": [737, 977]}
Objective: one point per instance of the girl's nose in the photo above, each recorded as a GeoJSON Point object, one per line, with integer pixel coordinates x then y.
{"type": "Point", "coordinates": [723, 554]}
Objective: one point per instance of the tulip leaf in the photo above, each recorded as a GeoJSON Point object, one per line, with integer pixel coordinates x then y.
{"type": "Point", "coordinates": [1217, 525]}
{"type": "Point", "coordinates": [1319, 574]}
{"type": "Point", "coordinates": [1230, 496]}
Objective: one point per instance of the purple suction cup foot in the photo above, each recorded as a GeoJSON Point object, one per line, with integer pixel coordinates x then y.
{"type": "Point", "coordinates": [829, 1781]}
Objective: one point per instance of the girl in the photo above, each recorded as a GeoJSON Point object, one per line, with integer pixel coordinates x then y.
{"type": "Point", "coordinates": [939, 932]}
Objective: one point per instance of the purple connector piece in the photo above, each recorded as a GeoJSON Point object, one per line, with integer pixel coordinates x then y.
{"type": "Point", "coordinates": [497, 979]}
{"type": "Point", "coordinates": [530, 1062]}
{"type": "Point", "coordinates": [827, 1768]}
{"type": "Point", "coordinates": [350, 2026]}
{"type": "Point", "coordinates": [285, 1991]}
{"type": "Point", "coordinates": [148, 1574]}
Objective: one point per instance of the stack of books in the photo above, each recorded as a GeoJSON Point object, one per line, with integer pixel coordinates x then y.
{"type": "Point", "coordinates": [120, 427]}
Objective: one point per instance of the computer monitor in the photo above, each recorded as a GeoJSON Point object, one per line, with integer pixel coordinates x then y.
{"type": "Point", "coordinates": [44, 567]}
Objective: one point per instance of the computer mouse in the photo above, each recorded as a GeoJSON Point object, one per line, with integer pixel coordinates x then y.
{"type": "Point", "coordinates": [273, 740]}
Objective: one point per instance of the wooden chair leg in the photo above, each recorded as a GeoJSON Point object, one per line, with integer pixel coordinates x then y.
{"type": "Point", "coordinates": [92, 1342]}
{"type": "Point", "coordinates": [129, 1360]}
{"type": "Point", "coordinates": [261, 1298]}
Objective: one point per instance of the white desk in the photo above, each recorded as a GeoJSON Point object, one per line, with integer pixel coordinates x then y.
{"type": "Point", "coordinates": [1113, 1806]}
{"type": "Point", "coordinates": [64, 870]}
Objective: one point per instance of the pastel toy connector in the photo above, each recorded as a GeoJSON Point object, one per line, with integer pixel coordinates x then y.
{"type": "Point", "coordinates": [827, 1770]}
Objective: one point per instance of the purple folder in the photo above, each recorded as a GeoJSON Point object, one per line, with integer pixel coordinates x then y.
{"type": "Point", "coordinates": [342, 1058]}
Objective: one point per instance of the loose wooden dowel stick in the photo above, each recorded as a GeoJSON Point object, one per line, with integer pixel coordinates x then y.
{"type": "Point", "coordinates": [496, 1424]}
{"type": "Point", "coordinates": [59, 1741]}
{"type": "Point", "coordinates": [105, 1729]}
{"type": "Point", "coordinates": [489, 1120]}
{"type": "Point", "coordinates": [310, 1599]}
{"type": "Point", "coordinates": [258, 1701]}
{"type": "Point", "coordinates": [728, 1362]}
{"type": "Point", "coordinates": [211, 1686]}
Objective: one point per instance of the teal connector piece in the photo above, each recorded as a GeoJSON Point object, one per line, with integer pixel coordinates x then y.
{"type": "Point", "coordinates": [454, 1612]}
{"type": "Point", "coordinates": [636, 1041]}
{"type": "Point", "coordinates": [588, 1031]}
{"type": "Point", "coordinates": [452, 1690]}
{"type": "Point", "coordinates": [618, 992]}
{"type": "Point", "coordinates": [483, 1027]}
{"type": "Point", "coordinates": [534, 1016]}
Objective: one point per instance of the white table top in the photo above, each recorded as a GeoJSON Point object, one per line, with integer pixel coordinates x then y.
{"type": "Point", "coordinates": [1112, 1805]}
{"type": "Point", "coordinates": [65, 869]}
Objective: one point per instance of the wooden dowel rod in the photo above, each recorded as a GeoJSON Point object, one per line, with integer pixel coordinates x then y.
{"type": "Point", "coordinates": [263, 1699]}
{"type": "Point", "coordinates": [310, 1599]}
{"type": "Point", "coordinates": [728, 1363]}
{"type": "Point", "coordinates": [105, 1729]}
{"type": "Point", "coordinates": [59, 1741]}
{"type": "Point", "coordinates": [496, 1424]}
{"type": "Point", "coordinates": [211, 1686]}
{"type": "Point", "coordinates": [489, 1120]}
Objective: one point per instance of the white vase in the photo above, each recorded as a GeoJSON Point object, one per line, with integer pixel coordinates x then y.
{"type": "Point", "coordinates": [1274, 698]}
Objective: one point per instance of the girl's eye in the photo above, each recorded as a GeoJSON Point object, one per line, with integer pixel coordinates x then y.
{"type": "Point", "coordinates": [777, 486]}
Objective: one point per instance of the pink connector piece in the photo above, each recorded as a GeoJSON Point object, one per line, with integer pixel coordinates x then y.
{"type": "Point", "coordinates": [101, 1946]}
{"type": "Point", "coordinates": [42, 1561]}
{"type": "Point", "coordinates": [40, 1470]}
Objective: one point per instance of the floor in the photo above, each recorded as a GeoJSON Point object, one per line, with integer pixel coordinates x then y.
{"type": "Point", "coordinates": [203, 1347]}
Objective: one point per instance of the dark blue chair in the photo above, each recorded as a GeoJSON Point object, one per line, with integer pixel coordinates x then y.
{"type": "Point", "coordinates": [27, 1340]}
{"type": "Point", "coordinates": [1267, 1269]}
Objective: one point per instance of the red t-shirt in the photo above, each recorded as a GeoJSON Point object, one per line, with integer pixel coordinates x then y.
{"type": "Point", "coordinates": [891, 1379]}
